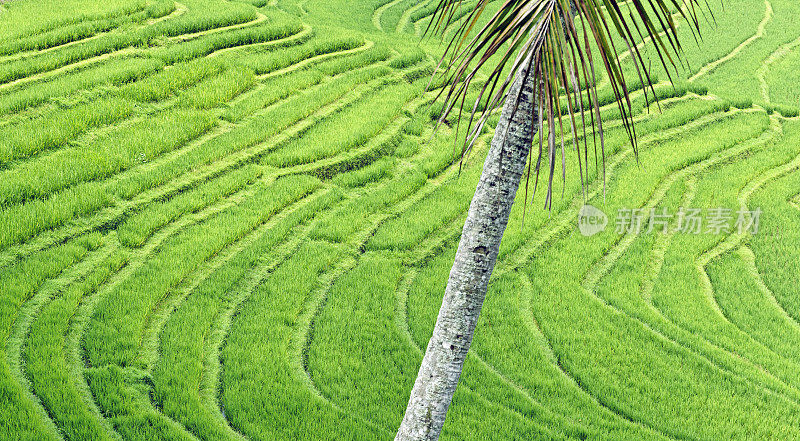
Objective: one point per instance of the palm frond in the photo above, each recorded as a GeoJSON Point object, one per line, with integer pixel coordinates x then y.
{"type": "Point", "coordinates": [557, 45]}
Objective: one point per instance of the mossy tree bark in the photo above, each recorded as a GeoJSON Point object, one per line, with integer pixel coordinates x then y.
{"type": "Point", "coordinates": [474, 262]}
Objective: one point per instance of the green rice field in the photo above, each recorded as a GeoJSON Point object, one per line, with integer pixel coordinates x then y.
{"type": "Point", "coordinates": [233, 220]}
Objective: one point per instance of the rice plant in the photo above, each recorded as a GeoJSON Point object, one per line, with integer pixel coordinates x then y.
{"type": "Point", "coordinates": [228, 220]}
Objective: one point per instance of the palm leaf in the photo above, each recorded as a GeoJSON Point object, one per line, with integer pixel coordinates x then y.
{"type": "Point", "coordinates": [558, 45]}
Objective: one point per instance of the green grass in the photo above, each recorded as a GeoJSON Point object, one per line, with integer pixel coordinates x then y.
{"type": "Point", "coordinates": [202, 16]}
{"type": "Point", "coordinates": [183, 396]}
{"type": "Point", "coordinates": [139, 227]}
{"type": "Point", "coordinates": [270, 61]}
{"type": "Point", "coordinates": [22, 280]}
{"type": "Point", "coordinates": [371, 173]}
{"type": "Point", "coordinates": [46, 345]}
{"type": "Point", "coordinates": [39, 63]}
{"type": "Point", "coordinates": [113, 73]}
{"type": "Point", "coordinates": [208, 44]}
{"type": "Point", "coordinates": [217, 90]}
{"type": "Point", "coordinates": [780, 78]}
{"type": "Point", "coordinates": [273, 91]}
{"type": "Point", "coordinates": [341, 223]}
{"type": "Point", "coordinates": [112, 319]}
{"type": "Point", "coordinates": [57, 127]}
{"type": "Point", "coordinates": [445, 204]}
{"type": "Point", "coordinates": [337, 66]}
{"type": "Point", "coordinates": [167, 82]}
{"type": "Point", "coordinates": [83, 29]}
{"type": "Point", "coordinates": [271, 312]}
{"type": "Point", "coordinates": [23, 221]}
{"type": "Point", "coordinates": [212, 227]}
{"type": "Point", "coordinates": [116, 150]}
{"type": "Point", "coordinates": [375, 111]}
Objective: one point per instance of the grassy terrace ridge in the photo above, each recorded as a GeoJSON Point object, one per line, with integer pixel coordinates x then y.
{"type": "Point", "coordinates": [233, 220]}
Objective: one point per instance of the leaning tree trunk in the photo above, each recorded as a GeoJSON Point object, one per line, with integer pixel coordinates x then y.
{"type": "Point", "coordinates": [469, 278]}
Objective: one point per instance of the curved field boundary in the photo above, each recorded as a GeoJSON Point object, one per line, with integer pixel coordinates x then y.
{"type": "Point", "coordinates": [435, 243]}
{"type": "Point", "coordinates": [569, 218]}
{"type": "Point", "coordinates": [260, 18]}
{"type": "Point", "coordinates": [734, 240]}
{"type": "Point", "coordinates": [76, 356]}
{"type": "Point", "coordinates": [306, 32]}
{"type": "Point", "coordinates": [73, 346]}
{"type": "Point", "coordinates": [662, 244]}
{"type": "Point", "coordinates": [498, 382]}
{"type": "Point", "coordinates": [150, 339]}
{"type": "Point", "coordinates": [116, 210]}
{"type": "Point", "coordinates": [152, 331]}
{"type": "Point", "coordinates": [302, 338]}
{"type": "Point", "coordinates": [24, 54]}
{"type": "Point", "coordinates": [774, 57]}
{"type": "Point", "coordinates": [401, 322]}
{"type": "Point", "coordinates": [759, 33]}
{"type": "Point", "coordinates": [563, 222]}
{"type": "Point", "coordinates": [313, 60]}
{"type": "Point", "coordinates": [87, 61]}
{"type": "Point", "coordinates": [402, 315]}
{"type": "Point", "coordinates": [429, 247]}
{"type": "Point", "coordinates": [301, 5]}
{"type": "Point", "coordinates": [524, 301]}
{"type": "Point", "coordinates": [376, 17]}
{"type": "Point", "coordinates": [134, 264]}
{"type": "Point", "coordinates": [601, 268]}
{"type": "Point", "coordinates": [119, 207]}
{"type": "Point", "coordinates": [418, 24]}
{"type": "Point", "coordinates": [210, 390]}
{"type": "Point", "coordinates": [595, 274]}
{"type": "Point", "coordinates": [180, 9]}
{"type": "Point", "coordinates": [22, 324]}
{"type": "Point", "coordinates": [69, 67]}
{"type": "Point", "coordinates": [750, 260]}
{"type": "Point", "coordinates": [78, 339]}
{"type": "Point", "coordinates": [400, 307]}
{"type": "Point", "coordinates": [221, 206]}
{"type": "Point", "coordinates": [125, 51]}
{"type": "Point", "coordinates": [406, 17]}
{"type": "Point", "coordinates": [519, 257]}
{"type": "Point", "coordinates": [32, 308]}
{"type": "Point", "coordinates": [150, 343]}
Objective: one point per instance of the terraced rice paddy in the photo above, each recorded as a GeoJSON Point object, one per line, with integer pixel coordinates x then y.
{"type": "Point", "coordinates": [233, 220]}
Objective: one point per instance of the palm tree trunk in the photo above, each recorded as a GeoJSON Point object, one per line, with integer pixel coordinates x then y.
{"type": "Point", "coordinates": [469, 278]}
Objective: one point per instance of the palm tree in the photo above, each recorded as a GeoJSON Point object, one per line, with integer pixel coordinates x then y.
{"type": "Point", "coordinates": [550, 49]}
